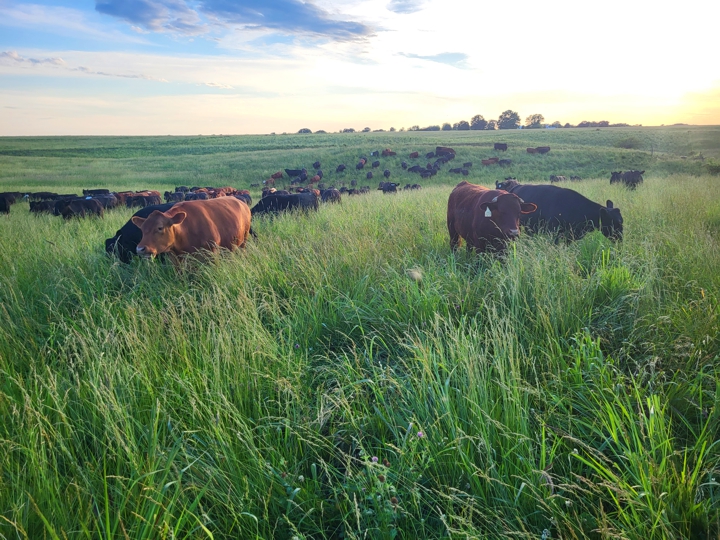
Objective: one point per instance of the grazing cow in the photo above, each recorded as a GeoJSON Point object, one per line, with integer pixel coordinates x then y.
{"type": "Point", "coordinates": [82, 208]}
{"type": "Point", "coordinates": [319, 173]}
{"type": "Point", "coordinates": [387, 187]}
{"type": "Point", "coordinates": [375, 153]}
{"type": "Point", "coordinates": [386, 173]}
{"type": "Point", "coordinates": [491, 161]}
{"type": "Point", "coordinates": [126, 239]}
{"type": "Point", "coordinates": [340, 168]}
{"type": "Point", "coordinates": [41, 207]}
{"type": "Point", "coordinates": [142, 200]}
{"type": "Point", "coordinates": [281, 203]}
{"type": "Point", "coordinates": [369, 175]}
{"type": "Point", "coordinates": [456, 170]}
{"type": "Point", "coordinates": [375, 164]}
{"type": "Point", "coordinates": [430, 155]}
{"type": "Point", "coordinates": [414, 155]}
{"type": "Point", "coordinates": [4, 204]}
{"type": "Point", "coordinates": [575, 178]}
{"type": "Point", "coordinates": [416, 186]}
{"type": "Point", "coordinates": [177, 196]}
{"type": "Point", "coordinates": [182, 189]}
{"type": "Point", "coordinates": [293, 172]}
{"type": "Point", "coordinates": [532, 151]}
{"type": "Point", "coordinates": [195, 196]}
{"type": "Point", "coordinates": [315, 179]}
{"type": "Point", "coordinates": [330, 196]}
{"type": "Point", "coordinates": [277, 175]}
{"type": "Point", "coordinates": [444, 151]}
{"type": "Point", "coordinates": [467, 164]}
{"type": "Point", "coordinates": [485, 218]}
{"type": "Point", "coordinates": [360, 164]}
{"type": "Point", "coordinates": [387, 153]}
{"type": "Point", "coordinates": [464, 172]}
{"type": "Point", "coordinates": [505, 162]}
{"type": "Point", "coordinates": [616, 177]}
{"type": "Point", "coordinates": [543, 149]}
{"type": "Point", "coordinates": [500, 146]}
{"type": "Point", "coordinates": [404, 165]}
{"type": "Point", "coordinates": [95, 192]}
{"type": "Point", "coordinates": [555, 178]}
{"type": "Point", "coordinates": [415, 168]}
{"type": "Point", "coordinates": [43, 196]}
{"type": "Point", "coordinates": [244, 197]}
{"type": "Point", "coordinates": [189, 227]}
{"type": "Point", "coordinates": [426, 174]}
{"type": "Point", "coordinates": [567, 212]}
{"type": "Point", "coordinates": [316, 165]}
{"type": "Point", "coordinates": [632, 178]}
{"type": "Point", "coordinates": [108, 201]}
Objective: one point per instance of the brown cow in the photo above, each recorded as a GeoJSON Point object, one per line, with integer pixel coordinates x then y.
{"type": "Point", "coordinates": [191, 226]}
{"type": "Point", "coordinates": [532, 150]}
{"type": "Point", "coordinates": [490, 161]}
{"type": "Point", "coordinates": [277, 175]}
{"type": "Point", "coordinates": [414, 155]}
{"type": "Point", "coordinates": [485, 218]}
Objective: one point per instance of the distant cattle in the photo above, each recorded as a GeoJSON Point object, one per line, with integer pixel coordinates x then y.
{"type": "Point", "coordinates": [456, 170]}
{"type": "Point", "coordinates": [543, 149]}
{"type": "Point", "coordinates": [142, 201]}
{"type": "Point", "coordinates": [556, 178]}
{"type": "Point", "coordinates": [387, 187]}
{"type": "Point", "coordinates": [375, 164]}
{"type": "Point", "coordinates": [184, 189]}
{"type": "Point", "coordinates": [41, 207]}
{"type": "Point", "coordinates": [567, 212]}
{"type": "Point", "coordinates": [444, 151]}
{"type": "Point", "coordinates": [316, 165]}
{"type": "Point", "coordinates": [485, 218]}
{"type": "Point", "coordinates": [387, 153]}
{"type": "Point", "coordinates": [404, 165]}
{"type": "Point", "coordinates": [369, 175]}
{"type": "Point", "coordinates": [4, 204]}
{"type": "Point", "coordinates": [505, 162]}
{"type": "Point", "coordinates": [189, 227]}
{"type": "Point", "coordinates": [195, 196]}
{"type": "Point", "coordinates": [244, 197]}
{"type": "Point", "coordinates": [177, 196]}
{"type": "Point", "coordinates": [532, 151]}
{"type": "Point", "coordinates": [430, 155]}
{"type": "Point", "coordinates": [375, 153]}
{"type": "Point", "coordinates": [413, 186]}
{"type": "Point", "coordinates": [490, 161]}
{"type": "Point", "coordinates": [467, 164]}
{"type": "Point", "coordinates": [386, 173]}
{"type": "Point", "coordinates": [96, 192]}
{"type": "Point", "coordinates": [500, 146]}
{"type": "Point", "coordinates": [315, 179]}
{"type": "Point", "coordinates": [415, 168]}
{"type": "Point", "coordinates": [108, 201]}
{"type": "Point", "coordinates": [575, 178]}
{"type": "Point", "coordinates": [282, 203]}
{"type": "Point", "coordinates": [82, 208]}
{"type": "Point", "coordinates": [330, 196]}
{"type": "Point", "coordinates": [414, 155]}
{"type": "Point", "coordinates": [293, 172]}
{"type": "Point", "coordinates": [340, 168]}
{"type": "Point", "coordinates": [360, 164]}
{"type": "Point", "coordinates": [631, 178]}
{"type": "Point", "coordinates": [277, 175]}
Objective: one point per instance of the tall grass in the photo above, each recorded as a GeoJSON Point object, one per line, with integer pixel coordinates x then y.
{"type": "Point", "coordinates": [308, 387]}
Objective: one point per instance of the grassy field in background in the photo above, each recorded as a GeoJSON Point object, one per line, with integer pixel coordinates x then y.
{"type": "Point", "coordinates": [307, 387]}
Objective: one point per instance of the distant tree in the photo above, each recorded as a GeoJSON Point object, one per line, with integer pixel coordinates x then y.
{"type": "Point", "coordinates": [366, 130]}
{"type": "Point", "coordinates": [462, 125]}
{"type": "Point", "coordinates": [585, 124]}
{"type": "Point", "coordinates": [446, 127]}
{"type": "Point", "coordinates": [603, 123]}
{"type": "Point", "coordinates": [491, 125]}
{"type": "Point", "coordinates": [556, 124]}
{"type": "Point", "coordinates": [621, 124]}
{"type": "Point", "coordinates": [402, 129]}
{"type": "Point", "coordinates": [478, 122]}
{"type": "Point", "coordinates": [430, 128]}
{"type": "Point", "coordinates": [568, 125]}
{"type": "Point", "coordinates": [304, 130]}
{"type": "Point", "coordinates": [508, 120]}
{"type": "Point", "coordinates": [321, 131]}
{"type": "Point", "coordinates": [378, 130]}
{"type": "Point", "coordinates": [414, 128]}
{"type": "Point", "coordinates": [534, 121]}
{"type": "Point", "coordinates": [348, 130]}
{"type": "Point", "coordinates": [392, 129]}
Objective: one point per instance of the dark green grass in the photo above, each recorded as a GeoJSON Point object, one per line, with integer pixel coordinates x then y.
{"type": "Point", "coordinates": [570, 389]}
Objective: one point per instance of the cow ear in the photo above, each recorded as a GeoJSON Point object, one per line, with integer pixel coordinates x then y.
{"type": "Point", "coordinates": [528, 208]}
{"type": "Point", "coordinates": [609, 203]}
{"type": "Point", "coordinates": [138, 221]}
{"type": "Point", "coordinates": [178, 218]}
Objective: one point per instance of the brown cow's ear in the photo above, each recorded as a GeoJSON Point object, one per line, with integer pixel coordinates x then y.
{"type": "Point", "coordinates": [138, 221]}
{"type": "Point", "coordinates": [528, 208]}
{"type": "Point", "coordinates": [178, 218]}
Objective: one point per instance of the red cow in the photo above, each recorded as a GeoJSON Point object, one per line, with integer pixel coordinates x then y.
{"type": "Point", "coordinates": [491, 161]}
{"type": "Point", "coordinates": [277, 175]}
{"type": "Point", "coordinates": [532, 150]}
{"type": "Point", "coordinates": [414, 155]}
{"type": "Point", "coordinates": [485, 218]}
{"type": "Point", "coordinates": [191, 226]}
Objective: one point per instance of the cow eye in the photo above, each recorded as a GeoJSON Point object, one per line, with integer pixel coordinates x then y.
{"type": "Point", "coordinates": [160, 229]}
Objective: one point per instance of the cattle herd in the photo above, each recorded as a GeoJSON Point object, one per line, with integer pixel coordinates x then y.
{"type": "Point", "coordinates": [197, 218]}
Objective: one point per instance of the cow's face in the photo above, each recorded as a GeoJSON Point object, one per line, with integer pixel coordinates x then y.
{"type": "Point", "coordinates": [158, 232]}
{"type": "Point", "coordinates": [504, 212]}
{"type": "Point", "coordinates": [611, 222]}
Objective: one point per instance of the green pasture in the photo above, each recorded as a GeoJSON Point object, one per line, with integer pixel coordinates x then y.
{"type": "Point", "coordinates": [347, 375]}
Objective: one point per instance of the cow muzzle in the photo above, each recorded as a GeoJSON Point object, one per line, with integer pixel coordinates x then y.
{"type": "Point", "coordinates": [143, 251]}
{"type": "Point", "coordinates": [513, 234]}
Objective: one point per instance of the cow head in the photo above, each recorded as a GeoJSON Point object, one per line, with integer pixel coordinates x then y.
{"type": "Point", "coordinates": [158, 231]}
{"type": "Point", "coordinates": [504, 211]}
{"type": "Point", "coordinates": [611, 222]}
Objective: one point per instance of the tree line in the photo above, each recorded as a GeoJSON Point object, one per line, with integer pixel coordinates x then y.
{"type": "Point", "coordinates": [507, 120]}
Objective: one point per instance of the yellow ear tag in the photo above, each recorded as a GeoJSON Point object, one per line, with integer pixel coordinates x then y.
{"type": "Point", "coordinates": [488, 213]}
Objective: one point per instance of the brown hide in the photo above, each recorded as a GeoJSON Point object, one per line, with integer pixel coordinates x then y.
{"type": "Point", "coordinates": [194, 225]}
{"type": "Point", "coordinates": [466, 216]}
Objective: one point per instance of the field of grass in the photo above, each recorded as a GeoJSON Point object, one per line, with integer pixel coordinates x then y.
{"type": "Point", "coordinates": [309, 387]}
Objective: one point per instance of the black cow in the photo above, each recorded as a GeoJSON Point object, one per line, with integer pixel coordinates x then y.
{"type": "Point", "coordinates": [281, 203]}
{"type": "Point", "coordinates": [556, 178]}
{"type": "Point", "coordinates": [386, 173]}
{"type": "Point", "coordinates": [404, 165]}
{"type": "Point", "coordinates": [375, 164]}
{"type": "Point", "coordinates": [430, 155]}
{"type": "Point", "coordinates": [145, 200]}
{"type": "Point", "coordinates": [615, 177]}
{"type": "Point", "coordinates": [40, 207]}
{"type": "Point", "coordinates": [500, 146]}
{"type": "Point", "coordinates": [467, 164]}
{"type": "Point", "coordinates": [340, 168]}
{"type": "Point", "coordinates": [4, 204]}
{"type": "Point", "coordinates": [330, 196]}
{"type": "Point", "coordinates": [191, 196]}
{"type": "Point", "coordinates": [96, 192]}
{"type": "Point", "coordinates": [505, 162]}
{"type": "Point", "coordinates": [183, 189]}
{"type": "Point", "coordinates": [108, 200]}
{"type": "Point", "coordinates": [567, 212]}
{"type": "Point", "coordinates": [295, 172]}
{"type": "Point", "coordinates": [126, 239]}
{"type": "Point", "coordinates": [632, 178]}
{"type": "Point", "coordinates": [415, 168]}
{"type": "Point", "coordinates": [369, 175]}
{"type": "Point", "coordinates": [316, 165]}
{"type": "Point", "coordinates": [388, 187]}
{"type": "Point", "coordinates": [246, 198]}
{"type": "Point", "coordinates": [177, 196]}
{"type": "Point", "coordinates": [81, 208]}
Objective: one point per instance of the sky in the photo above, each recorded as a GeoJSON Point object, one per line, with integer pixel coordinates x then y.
{"type": "Point", "coordinates": [188, 67]}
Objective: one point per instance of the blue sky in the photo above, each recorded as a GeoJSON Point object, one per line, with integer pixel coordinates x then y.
{"type": "Point", "coordinates": [258, 66]}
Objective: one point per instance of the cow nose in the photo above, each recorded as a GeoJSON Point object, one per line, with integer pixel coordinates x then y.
{"type": "Point", "coordinates": [140, 250]}
{"type": "Point", "coordinates": [513, 233]}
